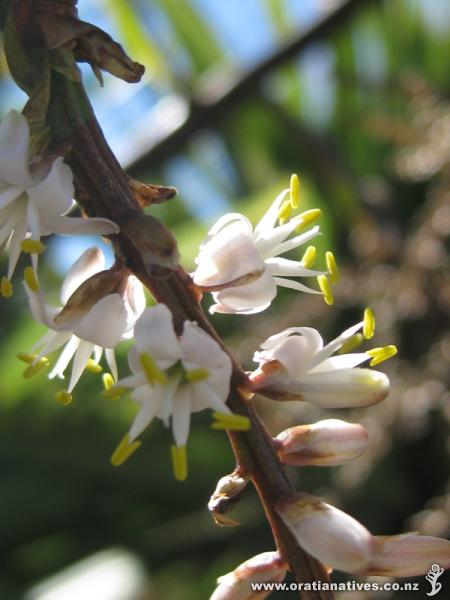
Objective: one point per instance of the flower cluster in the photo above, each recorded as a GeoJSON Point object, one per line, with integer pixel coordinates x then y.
{"type": "Point", "coordinates": [180, 370]}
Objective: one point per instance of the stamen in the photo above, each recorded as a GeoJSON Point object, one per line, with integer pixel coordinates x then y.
{"type": "Point", "coordinates": [326, 290]}
{"type": "Point", "coordinates": [197, 375]}
{"type": "Point", "coordinates": [230, 421]}
{"type": "Point", "coordinates": [32, 246]}
{"type": "Point", "coordinates": [369, 323]}
{"type": "Point", "coordinates": [31, 279]}
{"type": "Point", "coordinates": [151, 369]}
{"type": "Point", "coordinates": [25, 357]}
{"type": "Point", "coordinates": [309, 257]}
{"type": "Point", "coordinates": [294, 191]}
{"type": "Point", "coordinates": [37, 367]}
{"type": "Point", "coordinates": [306, 218]}
{"type": "Point", "coordinates": [353, 342]}
{"type": "Point", "coordinates": [108, 381]}
{"type": "Point", "coordinates": [124, 450]}
{"type": "Point", "coordinates": [93, 366]}
{"type": "Point", "coordinates": [6, 288]}
{"type": "Point", "coordinates": [179, 462]}
{"type": "Point", "coordinates": [114, 392]}
{"type": "Point", "coordinates": [63, 397]}
{"type": "Point", "coordinates": [381, 354]}
{"type": "Point", "coordinates": [285, 212]}
{"type": "Point", "coordinates": [333, 270]}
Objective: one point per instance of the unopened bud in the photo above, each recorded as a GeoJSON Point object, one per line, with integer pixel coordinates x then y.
{"type": "Point", "coordinates": [149, 194]}
{"type": "Point", "coordinates": [326, 443]}
{"type": "Point", "coordinates": [265, 567]}
{"type": "Point", "coordinates": [227, 493]}
{"type": "Point", "coordinates": [408, 555]}
{"type": "Point", "coordinates": [327, 533]}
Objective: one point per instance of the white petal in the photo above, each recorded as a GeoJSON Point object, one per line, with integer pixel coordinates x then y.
{"type": "Point", "coordinates": [98, 351]}
{"type": "Point", "coordinates": [312, 335]}
{"type": "Point", "coordinates": [271, 238]}
{"type": "Point", "coordinates": [345, 388]}
{"type": "Point", "coordinates": [134, 299]}
{"type": "Point", "coordinates": [41, 311]}
{"type": "Point", "coordinates": [53, 196]}
{"type": "Point", "coordinates": [335, 344]}
{"type": "Point", "coordinates": [133, 381]}
{"type": "Point", "coordinates": [89, 263]}
{"type": "Point", "coordinates": [252, 297]}
{"type": "Point", "coordinates": [149, 408]}
{"type": "Point", "coordinates": [14, 145]}
{"type": "Point", "coordinates": [9, 194]}
{"type": "Point", "coordinates": [345, 361]}
{"type": "Point", "coordinates": [229, 256]}
{"type": "Point", "coordinates": [65, 357]}
{"type": "Point", "coordinates": [82, 355]}
{"type": "Point", "coordinates": [295, 353]}
{"type": "Point", "coordinates": [165, 409]}
{"type": "Point", "coordinates": [78, 225]}
{"type": "Point", "coordinates": [105, 323]}
{"type": "Point", "coordinates": [294, 285]}
{"type": "Point", "coordinates": [289, 268]}
{"type": "Point", "coordinates": [224, 221]}
{"type": "Point", "coordinates": [51, 341]}
{"type": "Point", "coordinates": [13, 220]}
{"type": "Point", "coordinates": [296, 241]}
{"type": "Point", "coordinates": [154, 334]}
{"type": "Point", "coordinates": [204, 396]}
{"type": "Point", "coordinates": [111, 360]}
{"type": "Point", "coordinates": [270, 218]}
{"type": "Point", "coordinates": [181, 414]}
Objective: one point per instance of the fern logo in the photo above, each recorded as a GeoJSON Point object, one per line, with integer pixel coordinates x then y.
{"type": "Point", "coordinates": [432, 577]}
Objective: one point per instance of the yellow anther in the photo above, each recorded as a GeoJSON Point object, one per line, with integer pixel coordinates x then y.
{"type": "Point", "coordinates": [369, 324]}
{"type": "Point", "coordinates": [108, 381]}
{"type": "Point", "coordinates": [93, 366]}
{"type": "Point", "coordinates": [37, 367]}
{"type": "Point", "coordinates": [31, 279]}
{"type": "Point", "coordinates": [151, 369]}
{"type": "Point", "coordinates": [353, 342]}
{"type": "Point", "coordinates": [285, 212]}
{"type": "Point", "coordinates": [230, 421]}
{"type": "Point", "coordinates": [309, 257]}
{"type": "Point", "coordinates": [197, 375]}
{"type": "Point", "coordinates": [32, 246]}
{"type": "Point", "coordinates": [124, 450]}
{"type": "Point", "coordinates": [294, 191]}
{"type": "Point", "coordinates": [333, 270]}
{"type": "Point", "coordinates": [307, 217]}
{"type": "Point", "coordinates": [113, 392]}
{"type": "Point", "coordinates": [25, 357]}
{"type": "Point", "coordinates": [325, 288]}
{"type": "Point", "coordinates": [6, 288]}
{"type": "Point", "coordinates": [381, 354]}
{"type": "Point", "coordinates": [179, 462]}
{"type": "Point", "coordinates": [63, 397]}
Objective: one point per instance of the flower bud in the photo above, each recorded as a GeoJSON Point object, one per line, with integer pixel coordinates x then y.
{"type": "Point", "coordinates": [327, 533]}
{"type": "Point", "coordinates": [408, 555]}
{"type": "Point", "coordinates": [265, 567]}
{"type": "Point", "coordinates": [227, 493]}
{"type": "Point", "coordinates": [326, 443]}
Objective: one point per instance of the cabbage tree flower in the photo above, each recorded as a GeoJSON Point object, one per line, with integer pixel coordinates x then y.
{"type": "Point", "coordinates": [34, 198]}
{"type": "Point", "coordinates": [99, 309]}
{"type": "Point", "coordinates": [242, 266]}
{"type": "Point", "coordinates": [173, 377]}
{"type": "Point", "coordinates": [296, 365]}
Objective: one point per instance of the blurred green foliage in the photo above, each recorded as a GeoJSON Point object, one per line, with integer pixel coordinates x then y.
{"type": "Point", "coordinates": [361, 159]}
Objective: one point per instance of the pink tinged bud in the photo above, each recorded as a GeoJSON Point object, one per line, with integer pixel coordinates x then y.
{"type": "Point", "coordinates": [326, 443]}
{"type": "Point", "coordinates": [327, 533]}
{"type": "Point", "coordinates": [408, 555]}
{"type": "Point", "coordinates": [265, 567]}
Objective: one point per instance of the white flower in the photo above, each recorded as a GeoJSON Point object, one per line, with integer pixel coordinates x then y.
{"type": "Point", "coordinates": [295, 365]}
{"type": "Point", "coordinates": [172, 378]}
{"type": "Point", "coordinates": [32, 203]}
{"type": "Point", "coordinates": [242, 266]}
{"type": "Point", "coordinates": [100, 308]}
